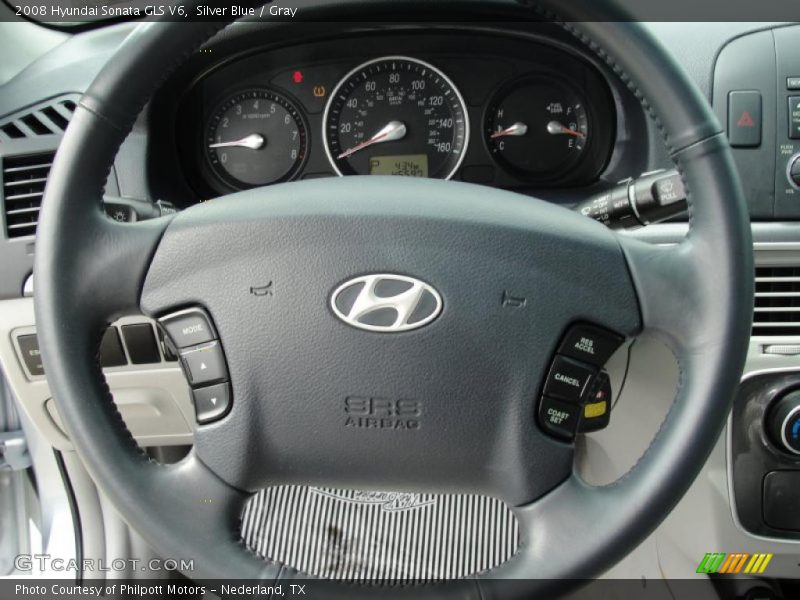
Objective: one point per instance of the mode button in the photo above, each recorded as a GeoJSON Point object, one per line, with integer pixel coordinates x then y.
{"type": "Point", "coordinates": [188, 327]}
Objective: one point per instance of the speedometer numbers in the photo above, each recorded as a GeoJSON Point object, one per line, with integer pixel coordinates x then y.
{"type": "Point", "coordinates": [537, 128]}
{"type": "Point", "coordinates": [396, 116]}
{"type": "Point", "coordinates": [256, 137]}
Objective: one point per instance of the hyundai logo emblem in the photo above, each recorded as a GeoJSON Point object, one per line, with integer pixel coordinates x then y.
{"type": "Point", "coordinates": [386, 303]}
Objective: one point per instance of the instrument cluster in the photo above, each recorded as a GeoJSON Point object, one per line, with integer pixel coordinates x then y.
{"type": "Point", "coordinates": [511, 113]}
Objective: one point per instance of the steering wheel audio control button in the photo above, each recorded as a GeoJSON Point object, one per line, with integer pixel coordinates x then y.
{"type": "Point", "coordinates": [211, 402]}
{"type": "Point", "coordinates": [204, 364]}
{"type": "Point", "coordinates": [188, 327]}
{"type": "Point", "coordinates": [559, 418]}
{"type": "Point", "coordinates": [590, 344]}
{"type": "Point", "coordinates": [568, 379]}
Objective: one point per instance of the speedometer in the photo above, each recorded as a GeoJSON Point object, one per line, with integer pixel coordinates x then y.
{"type": "Point", "coordinates": [396, 116]}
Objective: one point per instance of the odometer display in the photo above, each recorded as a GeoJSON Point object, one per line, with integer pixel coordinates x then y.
{"type": "Point", "coordinates": [396, 115]}
{"type": "Point", "coordinates": [410, 165]}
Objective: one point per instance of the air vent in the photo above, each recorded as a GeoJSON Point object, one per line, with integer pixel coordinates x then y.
{"type": "Point", "coordinates": [777, 306]}
{"type": "Point", "coordinates": [24, 178]}
{"type": "Point", "coordinates": [48, 118]}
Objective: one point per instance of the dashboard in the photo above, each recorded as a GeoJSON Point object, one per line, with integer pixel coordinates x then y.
{"type": "Point", "coordinates": [507, 110]}
{"type": "Point", "coordinates": [299, 102]}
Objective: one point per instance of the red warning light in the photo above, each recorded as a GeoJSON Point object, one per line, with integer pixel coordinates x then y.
{"type": "Point", "coordinates": [297, 77]}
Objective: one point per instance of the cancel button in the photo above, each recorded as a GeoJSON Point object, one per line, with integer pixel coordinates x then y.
{"type": "Point", "coordinates": [568, 379]}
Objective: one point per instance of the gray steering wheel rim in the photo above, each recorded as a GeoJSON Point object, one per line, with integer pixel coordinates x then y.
{"type": "Point", "coordinates": [706, 323]}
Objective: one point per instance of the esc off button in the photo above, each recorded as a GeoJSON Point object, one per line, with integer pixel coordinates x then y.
{"type": "Point", "coordinates": [568, 379]}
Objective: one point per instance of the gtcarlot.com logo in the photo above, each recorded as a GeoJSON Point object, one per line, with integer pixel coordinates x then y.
{"type": "Point", "coordinates": [46, 562]}
{"type": "Point", "coordinates": [732, 564]}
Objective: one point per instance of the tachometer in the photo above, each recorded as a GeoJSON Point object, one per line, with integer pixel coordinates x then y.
{"type": "Point", "coordinates": [256, 137]}
{"type": "Point", "coordinates": [396, 116]}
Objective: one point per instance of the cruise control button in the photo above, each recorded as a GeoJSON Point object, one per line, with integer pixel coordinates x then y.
{"type": "Point", "coordinates": [211, 402]}
{"type": "Point", "coordinates": [559, 418]}
{"type": "Point", "coordinates": [590, 343]}
{"type": "Point", "coordinates": [568, 379]}
{"type": "Point", "coordinates": [188, 327]}
{"type": "Point", "coordinates": [205, 364]}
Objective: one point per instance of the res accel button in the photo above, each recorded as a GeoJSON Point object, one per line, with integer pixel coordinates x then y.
{"type": "Point", "coordinates": [205, 364]}
{"type": "Point", "coordinates": [559, 418]}
{"type": "Point", "coordinates": [568, 379]}
{"type": "Point", "coordinates": [590, 344]}
{"type": "Point", "coordinates": [188, 327]}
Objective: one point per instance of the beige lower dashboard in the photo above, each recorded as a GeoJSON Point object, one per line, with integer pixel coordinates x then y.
{"type": "Point", "coordinates": [153, 399]}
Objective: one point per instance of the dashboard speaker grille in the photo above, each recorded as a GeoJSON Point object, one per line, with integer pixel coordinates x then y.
{"type": "Point", "coordinates": [24, 179]}
{"type": "Point", "coordinates": [379, 537]}
{"type": "Point", "coordinates": [777, 301]}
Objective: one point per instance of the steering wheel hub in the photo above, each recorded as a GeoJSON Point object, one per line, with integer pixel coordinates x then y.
{"type": "Point", "coordinates": [389, 411]}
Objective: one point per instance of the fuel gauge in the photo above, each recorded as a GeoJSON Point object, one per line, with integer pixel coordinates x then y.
{"type": "Point", "coordinates": [537, 128]}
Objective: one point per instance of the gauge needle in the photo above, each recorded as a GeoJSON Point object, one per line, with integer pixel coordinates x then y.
{"type": "Point", "coordinates": [516, 129]}
{"type": "Point", "coordinates": [254, 141]}
{"type": "Point", "coordinates": [393, 130]}
{"type": "Point", "coordinates": [556, 128]}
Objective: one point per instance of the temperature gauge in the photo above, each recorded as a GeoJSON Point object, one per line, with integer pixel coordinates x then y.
{"type": "Point", "coordinates": [537, 128]}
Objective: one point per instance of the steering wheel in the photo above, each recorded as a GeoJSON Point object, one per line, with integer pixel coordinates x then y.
{"type": "Point", "coordinates": [474, 373]}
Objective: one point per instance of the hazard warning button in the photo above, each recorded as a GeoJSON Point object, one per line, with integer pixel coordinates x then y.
{"type": "Point", "coordinates": [744, 118]}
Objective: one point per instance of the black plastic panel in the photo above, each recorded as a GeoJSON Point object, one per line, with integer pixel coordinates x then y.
{"type": "Point", "coordinates": [480, 63]}
{"type": "Point", "coordinates": [781, 499]}
{"type": "Point", "coordinates": [787, 49]}
{"type": "Point", "coordinates": [141, 343]}
{"type": "Point", "coordinates": [763, 62]}
{"type": "Point", "coordinates": [748, 64]}
{"type": "Point", "coordinates": [111, 352]}
{"type": "Point", "coordinates": [754, 455]}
